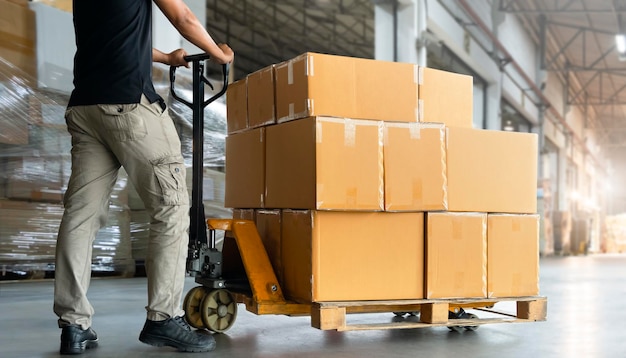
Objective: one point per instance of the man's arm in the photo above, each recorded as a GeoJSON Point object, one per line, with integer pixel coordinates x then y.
{"type": "Point", "coordinates": [191, 29]}
{"type": "Point", "coordinates": [174, 58]}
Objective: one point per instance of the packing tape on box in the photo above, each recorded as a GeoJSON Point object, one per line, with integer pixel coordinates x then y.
{"type": "Point", "coordinates": [318, 132]}
{"type": "Point", "coordinates": [349, 133]}
{"type": "Point", "coordinates": [319, 189]}
{"type": "Point", "coordinates": [484, 256]}
{"type": "Point", "coordinates": [420, 75]}
{"type": "Point", "coordinates": [386, 135]}
{"type": "Point", "coordinates": [415, 131]}
{"type": "Point", "coordinates": [290, 72]}
{"type": "Point", "coordinates": [309, 68]}
{"type": "Point", "coordinates": [420, 110]}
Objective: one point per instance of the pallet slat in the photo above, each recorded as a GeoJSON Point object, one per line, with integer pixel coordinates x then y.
{"type": "Point", "coordinates": [433, 313]}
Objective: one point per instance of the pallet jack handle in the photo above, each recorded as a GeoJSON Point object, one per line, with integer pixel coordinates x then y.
{"type": "Point", "coordinates": [198, 73]}
{"type": "Point", "coordinates": [197, 228]}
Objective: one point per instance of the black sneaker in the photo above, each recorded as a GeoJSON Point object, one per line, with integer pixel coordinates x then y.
{"type": "Point", "coordinates": [74, 339]}
{"type": "Point", "coordinates": [175, 332]}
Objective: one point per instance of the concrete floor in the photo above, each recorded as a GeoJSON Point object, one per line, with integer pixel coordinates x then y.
{"type": "Point", "coordinates": [586, 318]}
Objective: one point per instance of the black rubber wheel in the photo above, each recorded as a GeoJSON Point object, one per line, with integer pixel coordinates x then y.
{"type": "Point", "coordinates": [471, 328]}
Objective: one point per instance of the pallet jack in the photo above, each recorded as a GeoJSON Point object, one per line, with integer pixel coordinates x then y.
{"type": "Point", "coordinates": [242, 273]}
{"type": "Point", "coordinates": [213, 304]}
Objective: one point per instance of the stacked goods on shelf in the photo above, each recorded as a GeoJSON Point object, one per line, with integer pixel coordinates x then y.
{"type": "Point", "coordinates": [17, 35]}
{"type": "Point", "coordinates": [377, 185]}
{"type": "Point", "coordinates": [34, 172]}
{"type": "Point", "coordinates": [35, 165]}
{"type": "Point", "coordinates": [614, 240]}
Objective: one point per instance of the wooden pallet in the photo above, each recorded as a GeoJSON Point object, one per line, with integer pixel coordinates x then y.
{"type": "Point", "coordinates": [432, 312]}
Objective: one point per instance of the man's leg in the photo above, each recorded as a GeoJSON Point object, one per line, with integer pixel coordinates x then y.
{"type": "Point", "coordinates": [86, 202]}
{"type": "Point", "coordinates": [154, 163]}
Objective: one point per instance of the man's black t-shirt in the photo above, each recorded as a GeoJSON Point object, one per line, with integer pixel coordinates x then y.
{"type": "Point", "coordinates": [113, 61]}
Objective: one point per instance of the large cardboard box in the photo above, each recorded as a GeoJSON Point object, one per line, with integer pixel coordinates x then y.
{"type": "Point", "coordinates": [513, 255]}
{"type": "Point", "coordinates": [333, 256]}
{"type": "Point", "coordinates": [445, 97]}
{"type": "Point", "coordinates": [65, 5]}
{"type": "Point", "coordinates": [268, 224]}
{"type": "Point", "coordinates": [491, 171]}
{"type": "Point", "coordinates": [17, 36]}
{"type": "Point", "coordinates": [325, 163]}
{"type": "Point", "coordinates": [415, 167]}
{"type": "Point", "coordinates": [314, 84]}
{"type": "Point", "coordinates": [456, 255]}
{"type": "Point", "coordinates": [245, 169]}
{"type": "Point", "coordinates": [261, 103]}
{"type": "Point", "coordinates": [244, 214]}
{"type": "Point", "coordinates": [432, 168]}
{"type": "Point", "coordinates": [237, 106]}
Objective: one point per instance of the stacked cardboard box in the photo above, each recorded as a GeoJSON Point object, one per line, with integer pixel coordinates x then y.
{"type": "Point", "coordinates": [377, 186]}
{"type": "Point", "coordinates": [17, 35]}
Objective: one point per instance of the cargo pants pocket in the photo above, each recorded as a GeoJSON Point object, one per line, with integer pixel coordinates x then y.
{"type": "Point", "coordinates": [170, 174]}
{"type": "Point", "coordinates": [124, 121]}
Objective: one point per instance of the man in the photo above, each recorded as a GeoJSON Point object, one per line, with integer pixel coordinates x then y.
{"type": "Point", "coordinates": [116, 119]}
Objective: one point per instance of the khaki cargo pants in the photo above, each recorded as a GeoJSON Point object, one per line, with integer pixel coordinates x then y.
{"type": "Point", "coordinates": [141, 138]}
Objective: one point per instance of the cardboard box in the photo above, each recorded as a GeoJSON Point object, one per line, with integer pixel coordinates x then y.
{"type": "Point", "coordinates": [13, 130]}
{"type": "Point", "coordinates": [432, 168]}
{"type": "Point", "coordinates": [65, 5]}
{"type": "Point", "coordinates": [17, 36]}
{"type": "Point", "coordinates": [325, 163]}
{"type": "Point", "coordinates": [244, 214]}
{"type": "Point", "coordinates": [261, 103]}
{"type": "Point", "coordinates": [491, 171]}
{"type": "Point", "coordinates": [445, 97]}
{"type": "Point", "coordinates": [456, 255]}
{"type": "Point", "coordinates": [415, 167]}
{"type": "Point", "coordinates": [513, 255]}
{"type": "Point", "coordinates": [237, 106]}
{"type": "Point", "coordinates": [334, 256]}
{"type": "Point", "coordinates": [314, 84]}
{"type": "Point", "coordinates": [245, 169]}
{"type": "Point", "coordinates": [268, 224]}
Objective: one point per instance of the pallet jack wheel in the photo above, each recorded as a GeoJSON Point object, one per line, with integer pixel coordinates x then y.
{"type": "Point", "coordinates": [471, 328]}
{"type": "Point", "coordinates": [191, 305]}
{"type": "Point", "coordinates": [461, 314]}
{"type": "Point", "coordinates": [218, 310]}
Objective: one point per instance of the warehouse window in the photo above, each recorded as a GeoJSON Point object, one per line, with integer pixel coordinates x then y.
{"type": "Point", "coordinates": [512, 120]}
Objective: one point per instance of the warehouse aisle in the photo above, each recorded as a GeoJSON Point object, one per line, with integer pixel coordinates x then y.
{"type": "Point", "coordinates": [585, 319]}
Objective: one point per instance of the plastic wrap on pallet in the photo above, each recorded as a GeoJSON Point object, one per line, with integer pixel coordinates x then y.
{"type": "Point", "coordinates": [35, 165]}
{"type": "Point", "coordinates": [214, 115]}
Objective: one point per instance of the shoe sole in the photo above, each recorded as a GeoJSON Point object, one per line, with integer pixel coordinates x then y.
{"type": "Point", "coordinates": [159, 341]}
{"type": "Point", "coordinates": [78, 347]}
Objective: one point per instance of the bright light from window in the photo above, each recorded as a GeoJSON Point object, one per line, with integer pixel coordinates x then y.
{"type": "Point", "coordinates": [620, 42]}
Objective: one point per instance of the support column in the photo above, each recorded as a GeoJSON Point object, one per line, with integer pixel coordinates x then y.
{"type": "Point", "coordinates": [400, 28]}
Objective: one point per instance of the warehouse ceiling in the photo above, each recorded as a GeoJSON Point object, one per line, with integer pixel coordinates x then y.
{"type": "Point", "coordinates": [267, 32]}
{"type": "Point", "coordinates": [580, 44]}
{"type": "Point", "coordinates": [581, 48]}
